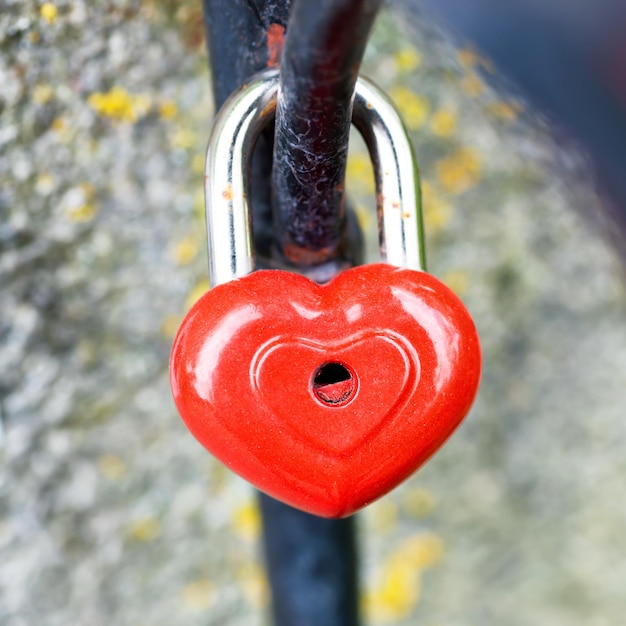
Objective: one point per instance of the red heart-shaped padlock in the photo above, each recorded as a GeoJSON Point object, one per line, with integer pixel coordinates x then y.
{"type": "Point", "coordinates": [326, 397]}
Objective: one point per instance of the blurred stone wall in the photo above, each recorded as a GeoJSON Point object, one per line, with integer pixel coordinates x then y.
{"type": "Point", "coordinates": [110, 513]}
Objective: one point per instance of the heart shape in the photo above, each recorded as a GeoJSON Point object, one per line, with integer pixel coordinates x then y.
{"type": "Point", "coordinates": [326, 397]}
{"type": "Point", "coordinates": [372, 394]}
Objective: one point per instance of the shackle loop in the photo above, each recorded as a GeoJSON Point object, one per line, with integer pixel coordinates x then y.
{"type": "Point", "coordinates": [236, 128]}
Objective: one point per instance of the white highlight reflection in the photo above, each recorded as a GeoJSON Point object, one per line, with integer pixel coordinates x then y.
{"type": "Point", "coordinates": [442, 333]}
{"type": "Point", "coordinates": [211, 352]}
{"type": "Point", "coordinates": [304, 312]}
{"type": "Point", "coordinates": [354, 313]}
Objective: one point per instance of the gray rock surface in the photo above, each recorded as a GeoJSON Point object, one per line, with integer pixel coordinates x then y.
{"type": "Point", "coordinates": [110, 513]}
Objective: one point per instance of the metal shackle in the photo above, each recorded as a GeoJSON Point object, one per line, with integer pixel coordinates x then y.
{"type": "Point", "coordinates": [238, 125]}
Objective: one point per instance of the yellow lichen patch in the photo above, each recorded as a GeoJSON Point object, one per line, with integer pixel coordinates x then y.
{"type": "Point", "coordinates": [197, 292]}
{"type": "Point", "coordinates": [254, 584]}
{"type": "Point", "coordinates": [460, 171]}
{"type": "Point", "coordinates": [468, 57]}
{"type": "Point", "coordinates": [168, 109]}
{"type": "Point", "coordinates": [366, 217]}
{"type": "Point", "coordinates": [383, 515]}
{"type": "Point", "coordinates": [59, 124]}
{"type": "Point", "coordinates": [152, 10]}
{"type": "Point", "coordinates": [198, 162]}
{"type": "Point", "coordinates": [397, 593]}
{"type": "Point", "coordinates": [62, 129]}
{"type": "Point", "coordinates": [437, 211]}
{"type": "Point", "coordinates": [45, 184]}
{"type": "Point", "coordinates": [82, 213]}
{"type": "Point", "coordinates": [198, 203]}
{"type": "Point", "coordinates": [418, 503]}
{"type": "Point", "coordinates": [144, 529]}
{"type": "Point", "coordinates": [407, 60]}
{"type": "Point", "coordinates": [246, 521]}
{"type": "Point", "coordinates": [43, 93]}
{"type": "Point", "coordinates": [413, 107]}
{"type": "Point", "coordinates": [504, 110]}
{"type": "Point", "coordinates": [185, 251]}
{"type": "Point", "coordinates": [86, 352]}
{"type": "Point", "coordinates": [443, 122]}
{"type": "Point", "coordinates": [399, 588]}
{"type": "Point", "coordinates": [119, 104]}
{"type": "Point", "coordinates": [88, 189]}
{"type": "Point", "coordinates": [360, 173]}
{"type": "Point", "coordinates": [48, 12]}
{"type": "Point", "coordinates": [219, 475]}
{"type": "Point", "coordinates": [112, 467]}
{"type": "Point", "coordinates": [170, 325]}
{"type": "Point", "coordinates": [472, 85]}
{"type": "Point", "coordinates": [421, 551]}
{"type": "Point", "coordinates": [183, 138]}
{"type": "Point", "coordinates": [81, 206]}
{"type": "Point", "coordinates": [457, 281]}
{"type": "Point", "coordinates": [199, 594]}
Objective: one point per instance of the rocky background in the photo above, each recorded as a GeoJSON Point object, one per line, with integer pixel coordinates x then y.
{"type": "Point", "coordinates": [110, 512]}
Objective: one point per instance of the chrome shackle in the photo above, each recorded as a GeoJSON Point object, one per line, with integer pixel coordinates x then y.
{"type": "Point", "coordinates": [237, 126]}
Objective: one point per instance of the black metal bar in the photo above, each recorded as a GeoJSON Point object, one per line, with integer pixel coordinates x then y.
{"type": "Point", "coordinates": [324, 47]}
{"type": "Point", "coordinates": [312, 565]}
{"type": "Point", "coordinates": [240, 36]}
{"type": "Point", "coordinates": [311, 561]}
{"type": "Point", "coordinates": [244, 37]}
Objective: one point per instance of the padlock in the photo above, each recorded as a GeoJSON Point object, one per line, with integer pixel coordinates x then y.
{"type": "Point", "coordinates": [323, 396]}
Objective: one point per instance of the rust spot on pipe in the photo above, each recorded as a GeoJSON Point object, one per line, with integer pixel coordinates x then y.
{"type": "Point", "coordinates": [275, 44]}
{"type": "Point", "coordinates": [270, 109]}
{"type": "Point", "coordinates": [304, 256]}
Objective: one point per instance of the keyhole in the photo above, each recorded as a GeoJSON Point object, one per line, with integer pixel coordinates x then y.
{"type": "Point", "coordinates": [334, 384]}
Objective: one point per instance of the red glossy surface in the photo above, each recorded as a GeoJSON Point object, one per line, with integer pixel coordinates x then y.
{"type": "Point", "coordinates": [244, 367]}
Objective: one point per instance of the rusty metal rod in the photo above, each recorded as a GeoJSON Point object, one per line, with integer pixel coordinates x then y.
{"type": "Point", "coordinates": [324, 46]}
{"type": "Point", "coordinates": [243, 38]}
